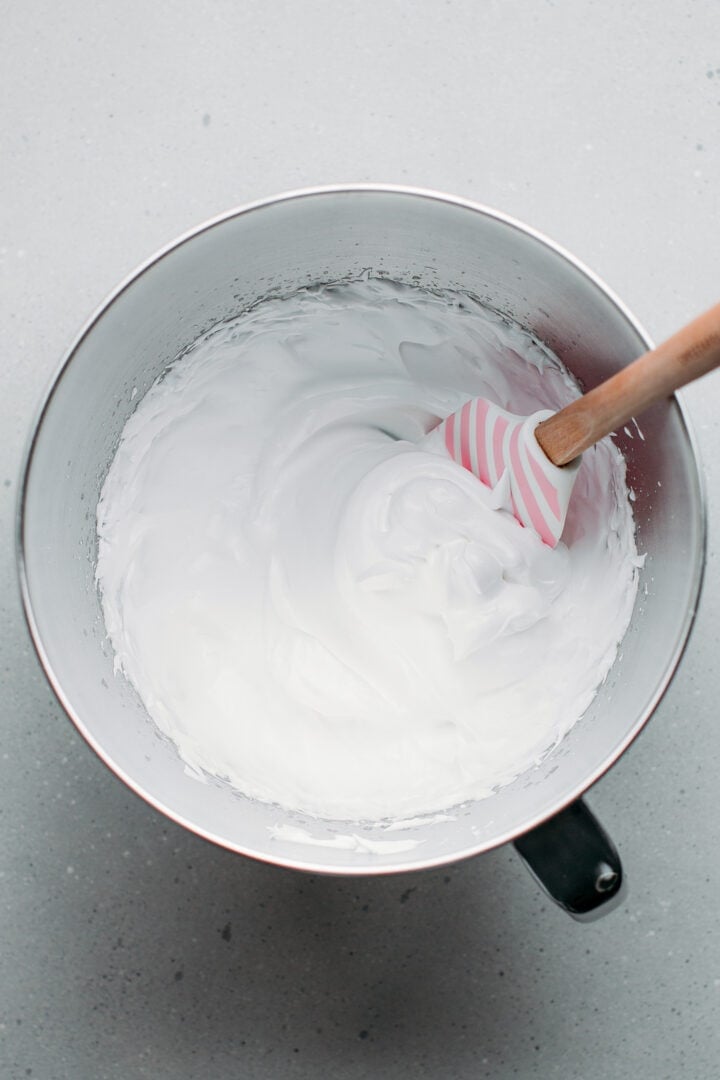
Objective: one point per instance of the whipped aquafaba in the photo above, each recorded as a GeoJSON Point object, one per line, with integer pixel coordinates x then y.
{"type": "Point", "coordinates": [326, 611]}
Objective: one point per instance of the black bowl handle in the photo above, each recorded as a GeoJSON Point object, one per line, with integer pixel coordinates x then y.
{"type": "Point", "coordinates": [575, 862]}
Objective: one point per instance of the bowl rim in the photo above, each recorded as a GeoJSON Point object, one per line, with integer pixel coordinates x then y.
{"type": "Point", "coordinates": [407, 864]}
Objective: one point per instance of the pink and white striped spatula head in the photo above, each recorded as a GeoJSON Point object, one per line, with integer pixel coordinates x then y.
{"type": "Point", "coordinates": [498, 446]}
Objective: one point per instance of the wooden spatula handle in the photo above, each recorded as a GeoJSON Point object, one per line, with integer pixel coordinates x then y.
{"type": "Point", "coordinates": [685, 356]}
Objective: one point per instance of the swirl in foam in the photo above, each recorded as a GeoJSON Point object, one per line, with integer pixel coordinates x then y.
{"type": "Point", "coordinates": [325, 610]}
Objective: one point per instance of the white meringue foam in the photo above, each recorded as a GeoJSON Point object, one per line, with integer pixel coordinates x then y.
{"type": "Point", "coordinates": [323, 613]}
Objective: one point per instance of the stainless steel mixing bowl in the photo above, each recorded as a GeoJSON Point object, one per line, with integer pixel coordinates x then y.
{"type": "Point", "coordinates": [271, 248]}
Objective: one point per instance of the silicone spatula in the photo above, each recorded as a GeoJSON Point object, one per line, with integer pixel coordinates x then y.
{"type": "Point", "coordinates": [539, 455]}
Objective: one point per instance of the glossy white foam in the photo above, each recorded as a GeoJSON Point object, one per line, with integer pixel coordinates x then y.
{"type": "Point", "coordinates": [323, 613]}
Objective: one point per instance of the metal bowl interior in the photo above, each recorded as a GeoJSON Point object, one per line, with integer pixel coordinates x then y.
{"type": "Point", "coordinates": [216, 272]}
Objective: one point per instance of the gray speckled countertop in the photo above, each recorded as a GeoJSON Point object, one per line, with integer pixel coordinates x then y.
{"type": "Point", "coordinates": [131, 948]}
